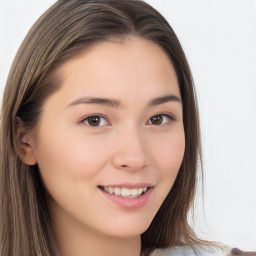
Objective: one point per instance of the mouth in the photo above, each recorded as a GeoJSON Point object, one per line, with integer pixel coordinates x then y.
{"type": "Point", "coordinates": [124, 192]}
{"type": "Point", "coordinates": [127, 195]}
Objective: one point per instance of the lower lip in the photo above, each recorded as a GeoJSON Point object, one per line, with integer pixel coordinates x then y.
{"type": "Point", "coordinates": [128, 202]}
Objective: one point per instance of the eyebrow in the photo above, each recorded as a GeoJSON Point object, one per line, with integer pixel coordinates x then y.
{"type": "Point", "coordinates": [95, 100]}
{"type": "Point", "coordinates": [163, 99]}
{"type": "Point", "coordinates": [116, 103]}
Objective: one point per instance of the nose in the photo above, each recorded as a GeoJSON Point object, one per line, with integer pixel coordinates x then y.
{"type": "Point", "coordinates": [131, 151]}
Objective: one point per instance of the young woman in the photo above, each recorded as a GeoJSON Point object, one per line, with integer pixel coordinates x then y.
{"type": "Point", "coordinates": [100, 142]}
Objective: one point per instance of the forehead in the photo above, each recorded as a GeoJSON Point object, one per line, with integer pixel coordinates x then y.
{"type": "Point", "coordinates": [131, 69]}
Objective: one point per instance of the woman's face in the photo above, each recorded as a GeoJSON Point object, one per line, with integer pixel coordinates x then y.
{"type": "Point", "coordinates": [115, 126]}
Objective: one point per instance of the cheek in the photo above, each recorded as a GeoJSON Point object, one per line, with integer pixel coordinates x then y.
{"type": "Point", "coordinates": [66, 152]}
{"type": "Point", "coordinates": [65, 159]}
{"type": "Point", "coordinates": [70, 166]}
{"type": "Point", "coordinates": [169, 153]}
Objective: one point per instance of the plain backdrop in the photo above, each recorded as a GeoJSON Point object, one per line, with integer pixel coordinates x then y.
{"type": "Point", "coordinates": [219, 39]}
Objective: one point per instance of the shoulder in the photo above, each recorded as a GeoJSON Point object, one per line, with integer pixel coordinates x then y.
{"type": "Point", "coordinates": [192, 251]}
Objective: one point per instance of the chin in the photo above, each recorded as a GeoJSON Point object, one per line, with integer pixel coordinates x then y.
{"type": "Point", "coordinates": [128, 228]}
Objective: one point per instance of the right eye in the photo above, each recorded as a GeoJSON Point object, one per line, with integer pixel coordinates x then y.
{"type": "Point", "coordinates": [161, 119]}
{"type": "Point", "coordinates": [95, 121]}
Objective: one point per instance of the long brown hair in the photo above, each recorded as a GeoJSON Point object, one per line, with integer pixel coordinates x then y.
{"type": "Point", "coordinates": [61, 33]}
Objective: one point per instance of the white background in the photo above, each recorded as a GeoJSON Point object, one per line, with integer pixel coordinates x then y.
{"type": "Point", "coordinates": [219, 39]}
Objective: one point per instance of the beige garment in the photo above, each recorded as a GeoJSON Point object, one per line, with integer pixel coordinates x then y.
{"type": "Point", "coordinates": [193, 251]}
{"type": "Point", "coordinates": [201, 251]}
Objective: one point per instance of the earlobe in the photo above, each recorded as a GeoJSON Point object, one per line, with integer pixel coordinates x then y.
{"type": "Point", "coordinates": [23, 142]}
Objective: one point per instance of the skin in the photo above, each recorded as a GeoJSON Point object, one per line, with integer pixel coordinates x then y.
{"type": "Point", "coordinates": [74, 158]}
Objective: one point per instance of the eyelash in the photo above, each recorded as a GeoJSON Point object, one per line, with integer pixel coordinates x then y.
{"type": "Point", "coordinates": [85, 120]}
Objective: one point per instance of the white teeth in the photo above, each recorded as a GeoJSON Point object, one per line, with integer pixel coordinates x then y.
{"type": "Point", "coordinates": [134, 192]}
{"type": "Point", "coordinates": [117, 191]}
{"type": "Point", "coordinates": [110, 190]}
{"type": "Point", "coordinates": [125, 192]}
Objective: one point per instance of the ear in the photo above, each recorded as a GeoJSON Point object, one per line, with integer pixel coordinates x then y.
{"type": "Point", "coordinates": [24, 142]}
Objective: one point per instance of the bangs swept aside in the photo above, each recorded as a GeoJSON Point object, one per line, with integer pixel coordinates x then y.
{"type": "Point", "coordinates": [61, 33]}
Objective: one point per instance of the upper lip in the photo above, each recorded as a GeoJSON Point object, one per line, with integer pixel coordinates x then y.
{"type": "Point", "coordinates": [130, 185]}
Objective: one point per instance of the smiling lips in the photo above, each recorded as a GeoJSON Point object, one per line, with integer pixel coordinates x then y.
{"type": "Point", "coordinates": [125, 192]}
{"type": "Point", "coordinates": [127, 195]}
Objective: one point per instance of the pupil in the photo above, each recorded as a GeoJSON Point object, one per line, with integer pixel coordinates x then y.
{"type": "Point", "coordinates": [157, 119]}
{"type": "Point", "coordinates": [94, 120]}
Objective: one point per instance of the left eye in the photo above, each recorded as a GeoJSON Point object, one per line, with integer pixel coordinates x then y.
{"type": "Point", "coordinates": [160, 119]}
{"type": "Point", "coordinates": [95, 121]}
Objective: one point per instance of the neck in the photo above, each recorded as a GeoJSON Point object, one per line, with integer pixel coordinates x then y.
{"type": "Point", "coordinates": [96, 245]}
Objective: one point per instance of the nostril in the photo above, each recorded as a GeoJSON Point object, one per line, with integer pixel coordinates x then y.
{"type": "Point", "coordinates": [127, 160]}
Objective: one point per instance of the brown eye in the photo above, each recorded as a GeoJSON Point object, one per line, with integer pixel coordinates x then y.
{"type": "Point", "coordinates": [156, 120]}
{"type": "Point", "coordinates": [161, 119]}
{"type": "Point", "coordinates": [95, 121]}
